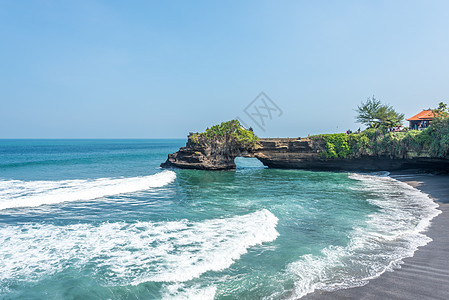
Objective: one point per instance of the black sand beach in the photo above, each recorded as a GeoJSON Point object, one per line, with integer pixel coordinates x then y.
{"type": "Point", "coordinates": [426, 274]}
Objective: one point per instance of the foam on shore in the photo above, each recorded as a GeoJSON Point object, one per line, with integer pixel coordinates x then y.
{"type": "Point", "coordinates": [392, 233]}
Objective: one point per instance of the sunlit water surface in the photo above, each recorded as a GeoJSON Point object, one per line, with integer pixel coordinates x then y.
{"type": "Point", "coordinates": [98, 219]}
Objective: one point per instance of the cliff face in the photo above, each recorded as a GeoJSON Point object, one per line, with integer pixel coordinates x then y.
{"type": "Point", "coordinates": [291, 154]}
{"type": "Point", "coordinates": [305, 154]}
{"type": "Point", "coordinates": [205, 156]}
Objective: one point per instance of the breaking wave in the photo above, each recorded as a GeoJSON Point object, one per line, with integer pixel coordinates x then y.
{"type": "Point", "coordinates": [132, 253]}
{"type": "Point", "coordinates": [392, 233]}
{"type": "Point", "coordinates": [17, 193]}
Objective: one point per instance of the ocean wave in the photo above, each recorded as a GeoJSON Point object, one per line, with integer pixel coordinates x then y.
{"type": "Point", "coordinates": [17, 193]}
{"type": "Point", "coordinates": [132, 253]}
{"type": "Point", "coordinates": [392, 233]}
{"type": "Point", "coordinates": [178, 291]}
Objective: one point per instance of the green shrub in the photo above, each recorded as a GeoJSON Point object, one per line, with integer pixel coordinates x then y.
{"type": "Point", "coordinates": [336, 145]}
{"type": "Point", "coordinates": [359, 144]}
{"type": "Point", "coordinates": [439, 141]}
{"type": "Point", "coordinates": [230, 132]}
{"type": "Point", "coordinates": [194, 138]}
{"type": "Point", "coordinates": [433, 141]}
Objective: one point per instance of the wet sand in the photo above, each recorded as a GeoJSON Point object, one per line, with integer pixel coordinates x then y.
{"type": "Point", "coordinates": [426, 274]}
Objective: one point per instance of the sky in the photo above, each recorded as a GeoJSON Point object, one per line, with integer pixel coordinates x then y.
{"type": "Point", "coordinates": [160, 69]}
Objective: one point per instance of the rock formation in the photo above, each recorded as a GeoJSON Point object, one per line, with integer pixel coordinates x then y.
{"type": "Point", "coordinates": [206, 156]}
{"type": "Point", "coordinates": [289, 153]}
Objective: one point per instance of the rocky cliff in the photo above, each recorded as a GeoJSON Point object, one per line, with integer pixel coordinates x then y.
{"type": "Point", "coordinates": [215, 148]}
{"type": "Point", "coordinates": [308, 154]}
{"type": "Point", "coordinates": [291, 153]}
{"type": "Point", "coordinates": [207, 156]}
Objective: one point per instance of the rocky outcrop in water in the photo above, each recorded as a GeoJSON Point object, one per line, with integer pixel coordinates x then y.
{"type": "Point", "coordinates": [215, 148]}
{"type": "Point", "coordinates": [207, 156]}
{"type": "Point", "coordinates": [292, 153]}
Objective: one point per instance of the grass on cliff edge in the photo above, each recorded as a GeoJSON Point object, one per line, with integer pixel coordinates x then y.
{"type": "Point", "coordinates": [433, 142]}
{"type": "Point", "coordinates": [231, 132]}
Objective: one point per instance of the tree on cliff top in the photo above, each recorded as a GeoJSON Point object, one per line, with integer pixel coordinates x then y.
{"type": "Point", "coordinates": [231, 132]}
{"type": "Point", "coordinates": [442, 110]}
{"type": "Point", "coordinates": [374, 114]}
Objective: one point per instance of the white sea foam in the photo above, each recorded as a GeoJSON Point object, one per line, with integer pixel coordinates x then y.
{"type": "Point", "coordinates": [17, 193]}
{"type": "Point", "coordinates": [391, 234]}
{"type": "Point", "coordinates": [179, 291]}
{"type": "Point", "coordinates": [123, 253]}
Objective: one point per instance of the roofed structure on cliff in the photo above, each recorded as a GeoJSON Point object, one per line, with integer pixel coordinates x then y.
{"type": "Point", "coordinates": [422, 120]}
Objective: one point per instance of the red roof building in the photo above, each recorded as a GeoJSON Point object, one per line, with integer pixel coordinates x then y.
{"type": "Point", "coordinates": [421, 120]}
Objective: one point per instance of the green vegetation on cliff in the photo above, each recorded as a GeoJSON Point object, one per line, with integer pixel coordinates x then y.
{"type": "Point", "coordinates": [336, 145]}
{"type": "Point", "coordinates": [231, 132]}
{"type": "Point", "coordinates": [379, 141]}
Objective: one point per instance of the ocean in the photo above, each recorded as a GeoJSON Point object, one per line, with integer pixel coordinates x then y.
{"type": "Point", "coordinates": [98, 219]}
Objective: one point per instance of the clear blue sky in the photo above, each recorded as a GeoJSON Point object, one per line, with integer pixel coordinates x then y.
{"type": "Point", "coordinates": [155, 69]}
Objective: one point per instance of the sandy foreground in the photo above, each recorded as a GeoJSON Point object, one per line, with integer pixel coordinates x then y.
{"type": "Point", "coordinates": [426, 274]}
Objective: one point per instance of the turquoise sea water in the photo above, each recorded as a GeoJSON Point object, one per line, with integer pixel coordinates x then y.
{"type": "Point", "coordinates": [98, 219]}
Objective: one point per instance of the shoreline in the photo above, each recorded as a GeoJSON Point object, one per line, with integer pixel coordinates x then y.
{"type": "Point", "coordinates": [425, 275]}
